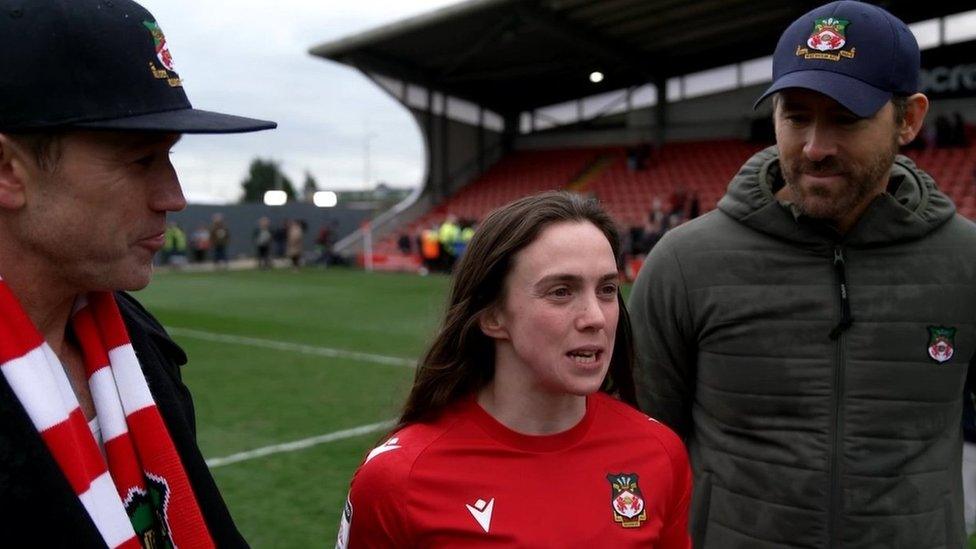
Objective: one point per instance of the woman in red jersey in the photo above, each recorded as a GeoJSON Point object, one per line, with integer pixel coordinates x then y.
{"type": "Point", "coordinates": [512, 435]}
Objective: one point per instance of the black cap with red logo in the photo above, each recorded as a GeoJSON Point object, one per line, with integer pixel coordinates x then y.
{"type": "Point", "coordinates": [95, 64]}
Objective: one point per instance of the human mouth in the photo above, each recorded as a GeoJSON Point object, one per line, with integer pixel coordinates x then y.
{"type": "Point", "coordinates": [823, 178]}
{"type": "Point", "coordinates": [585, 355]}
{"type": "Point", "coordinates": [153, 243]}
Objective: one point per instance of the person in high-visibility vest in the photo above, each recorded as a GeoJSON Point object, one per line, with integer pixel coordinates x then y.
{"type": "Point", "coordinates": [174, 245]}
{"type": "Point", "coordinates": [448, 234]}
{"type": "Point", "coordinates": [467, 233]}
{"type": "Point", "coordinates": [430, 248]}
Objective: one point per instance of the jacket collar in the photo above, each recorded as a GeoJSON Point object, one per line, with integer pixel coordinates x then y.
{"type": "Point", "coordinates": [911, 207]}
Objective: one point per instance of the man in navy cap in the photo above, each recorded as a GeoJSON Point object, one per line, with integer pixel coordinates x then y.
{"type": "Point", "coordinates": [810, 338]}
{"type": "Point", "coordinates": [97, 432]}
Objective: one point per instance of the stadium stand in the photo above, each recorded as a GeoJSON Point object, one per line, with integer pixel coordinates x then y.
{"type": "Point", "coordinates": [519, 110]}
{"type": "Point", "coordinates": [703, 168]}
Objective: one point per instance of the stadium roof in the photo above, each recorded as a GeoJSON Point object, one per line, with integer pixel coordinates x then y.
{"type": "Point", "coordinates": [517, 55]}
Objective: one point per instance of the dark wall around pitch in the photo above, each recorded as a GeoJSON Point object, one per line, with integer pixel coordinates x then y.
{"type": "Point", "coordinates": [242, 219]}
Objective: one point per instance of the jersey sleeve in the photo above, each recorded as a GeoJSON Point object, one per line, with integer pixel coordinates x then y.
{"type": "Point", "coordinates": [374, 514]}
{"type": "Point", "coordinates": [675, 533]}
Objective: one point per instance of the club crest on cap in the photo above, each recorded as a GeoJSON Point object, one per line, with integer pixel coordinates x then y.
{"type": "Point", "coordinates": [163, 55]}
{"type": "Point", "coordinates": [828, 35]}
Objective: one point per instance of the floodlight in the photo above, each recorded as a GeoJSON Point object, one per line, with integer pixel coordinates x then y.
{"type": "Point", "coordinates": [325, 199]}
{"type": "Point", "coordinates": [275, 198]}
{"type": "Point", "coordinates": [596, 77]}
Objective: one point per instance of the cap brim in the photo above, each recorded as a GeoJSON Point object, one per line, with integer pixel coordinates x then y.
{"type": "Point", "coordinates": [181, 121]}
{"type": "Point", "coordinates": [860, 98]}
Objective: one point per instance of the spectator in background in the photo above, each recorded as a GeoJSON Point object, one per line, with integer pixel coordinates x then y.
{"type": "Point", "coordinates": [430, 249]}
{"type": "Point", "coordinates": [448, 233]}
{"type": "Point", "coordinates": [657, 215]}
{"type": "Point", "coordinates": [679, 204]}
{"type": "Point", "coordinates": [637, 157]}
{"type": "Point", "coordinates": [405, 244]}
{"type": "Point", "coordinates": [653, 231]}
{"type": "Point", "coordinates": [200, 243]}
{"type": "Point", "coordinates": [522, 405]}
{"type": "Point", "coordinates": [280, 237]}
{"type": "Point", "coordinates": [174, 246]}
{"type": "Point", "coordinates": [464, 236]}
{"type": "Point", "coordinates": [262, 242]}
{"type": "Point", "coordinates": [219, 239]}
{"type": "Point", "coordinates": [295, 245]}
{"type": "Point", "coordinates": [323, 242]}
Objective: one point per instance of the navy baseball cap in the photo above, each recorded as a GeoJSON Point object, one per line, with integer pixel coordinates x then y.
{"type": "Point", "coordinates": [95, 64]}
{"type": "Point", "coordinates": [855, 53]}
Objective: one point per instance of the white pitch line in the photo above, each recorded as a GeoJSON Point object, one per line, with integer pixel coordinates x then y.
{"type": "Point", "coordinates": [300, 444]}
{"type": "Point", "coordinates": [288, 346]}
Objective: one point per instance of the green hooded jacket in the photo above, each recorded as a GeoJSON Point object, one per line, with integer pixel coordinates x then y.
{"type": "Point", "coordinates": [816, 377]}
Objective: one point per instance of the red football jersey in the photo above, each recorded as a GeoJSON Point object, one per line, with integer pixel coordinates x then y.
{"type": "Point", "coordinates": [617, 479]}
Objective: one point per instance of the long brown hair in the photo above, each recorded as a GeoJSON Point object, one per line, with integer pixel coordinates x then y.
{"type": "Point", "coordinates": [461, 358]}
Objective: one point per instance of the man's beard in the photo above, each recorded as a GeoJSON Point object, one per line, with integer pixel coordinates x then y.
{"type": "Point", "coordinates": [863, 183]}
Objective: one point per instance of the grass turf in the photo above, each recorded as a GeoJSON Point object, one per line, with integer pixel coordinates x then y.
{"type": "Point", "coordinates": [248, 397]}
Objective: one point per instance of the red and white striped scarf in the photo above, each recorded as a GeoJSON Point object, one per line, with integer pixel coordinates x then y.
{"type": "Point", "coordinates": [141, 497]}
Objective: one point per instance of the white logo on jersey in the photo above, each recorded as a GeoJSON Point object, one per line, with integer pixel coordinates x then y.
{"type": "Point", "coordinates": [385, 447]}
{"type": "Point", "coordinates": [482, 512]}
{"type": "Point", "coordinates": [344, 524]}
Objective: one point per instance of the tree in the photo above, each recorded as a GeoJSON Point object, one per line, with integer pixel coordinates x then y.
{"type": "Point", "coordinates": [309, 187]}
{"type": "Point", "coordinates": [265, 175]}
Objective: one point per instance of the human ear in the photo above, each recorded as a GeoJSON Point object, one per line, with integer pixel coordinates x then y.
{"type": "Point", "coordinates": [12, 174]}
{"type": "Point", "coordinates": [915, 110]}
{"type": "Point", "coordinates": [492, 324]}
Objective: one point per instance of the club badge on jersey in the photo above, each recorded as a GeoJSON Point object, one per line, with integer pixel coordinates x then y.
{"type": "Point", "coordinates": [626, 500]}
{"type": "Point", "coordinates": [941, 343]}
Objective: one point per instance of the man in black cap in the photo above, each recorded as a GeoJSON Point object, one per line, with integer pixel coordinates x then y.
{"type": "Point", "coordinates": [97, 443]}
{"type": "Point", "coordinates": [810, 338]}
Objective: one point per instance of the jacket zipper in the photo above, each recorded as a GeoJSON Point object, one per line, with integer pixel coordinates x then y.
{"type": "Point", "coordinates": [846, 320]}
{"type": "Point", "coordinates": [836, 335]}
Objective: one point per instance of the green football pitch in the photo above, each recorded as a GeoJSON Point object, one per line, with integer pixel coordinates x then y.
{"type": "Point", "coordinates": [310, 358]}
{"type": "Point", "coordinates": [306, 358]}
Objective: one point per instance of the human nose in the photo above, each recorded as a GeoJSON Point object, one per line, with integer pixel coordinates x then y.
{"type": "Point", "coordinates": [820, 143]}
{"type": "Point", "coordinates": [166, 193]}
{"type": "Point", "coordinates": [591, 315]}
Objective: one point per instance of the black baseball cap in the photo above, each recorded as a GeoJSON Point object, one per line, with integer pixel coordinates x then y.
{"type": "Point", "coordinates": [95, 64]}
{"type": "Point", "coordinates": [855, 53]}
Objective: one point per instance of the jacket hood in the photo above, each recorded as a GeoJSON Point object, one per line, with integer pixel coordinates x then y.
{"type": "Point", "coordinates": [911, 207]}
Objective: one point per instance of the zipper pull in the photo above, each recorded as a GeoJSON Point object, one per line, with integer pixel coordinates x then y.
{"type": "Point", "coordinates": [846, 319]}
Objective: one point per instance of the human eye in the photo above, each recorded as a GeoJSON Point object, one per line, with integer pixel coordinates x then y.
{"type": "Point", "coordinates": [560, 292]}
{"type": "Point", "coordinates": [608, 290]}
{"type": "Point", "coordinates": [796, 118]}
{"type": "Point", "coordinates": [149, 157]}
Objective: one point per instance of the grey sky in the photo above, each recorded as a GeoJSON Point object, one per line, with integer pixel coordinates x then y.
{"type": "Point", "coordinates": [250, 58]}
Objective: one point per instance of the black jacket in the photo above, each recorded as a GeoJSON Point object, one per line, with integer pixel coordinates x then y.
{"type": "Point", "coordinates": [797, 362]}
{"type": "Point", "coordinates": [38, 508]}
